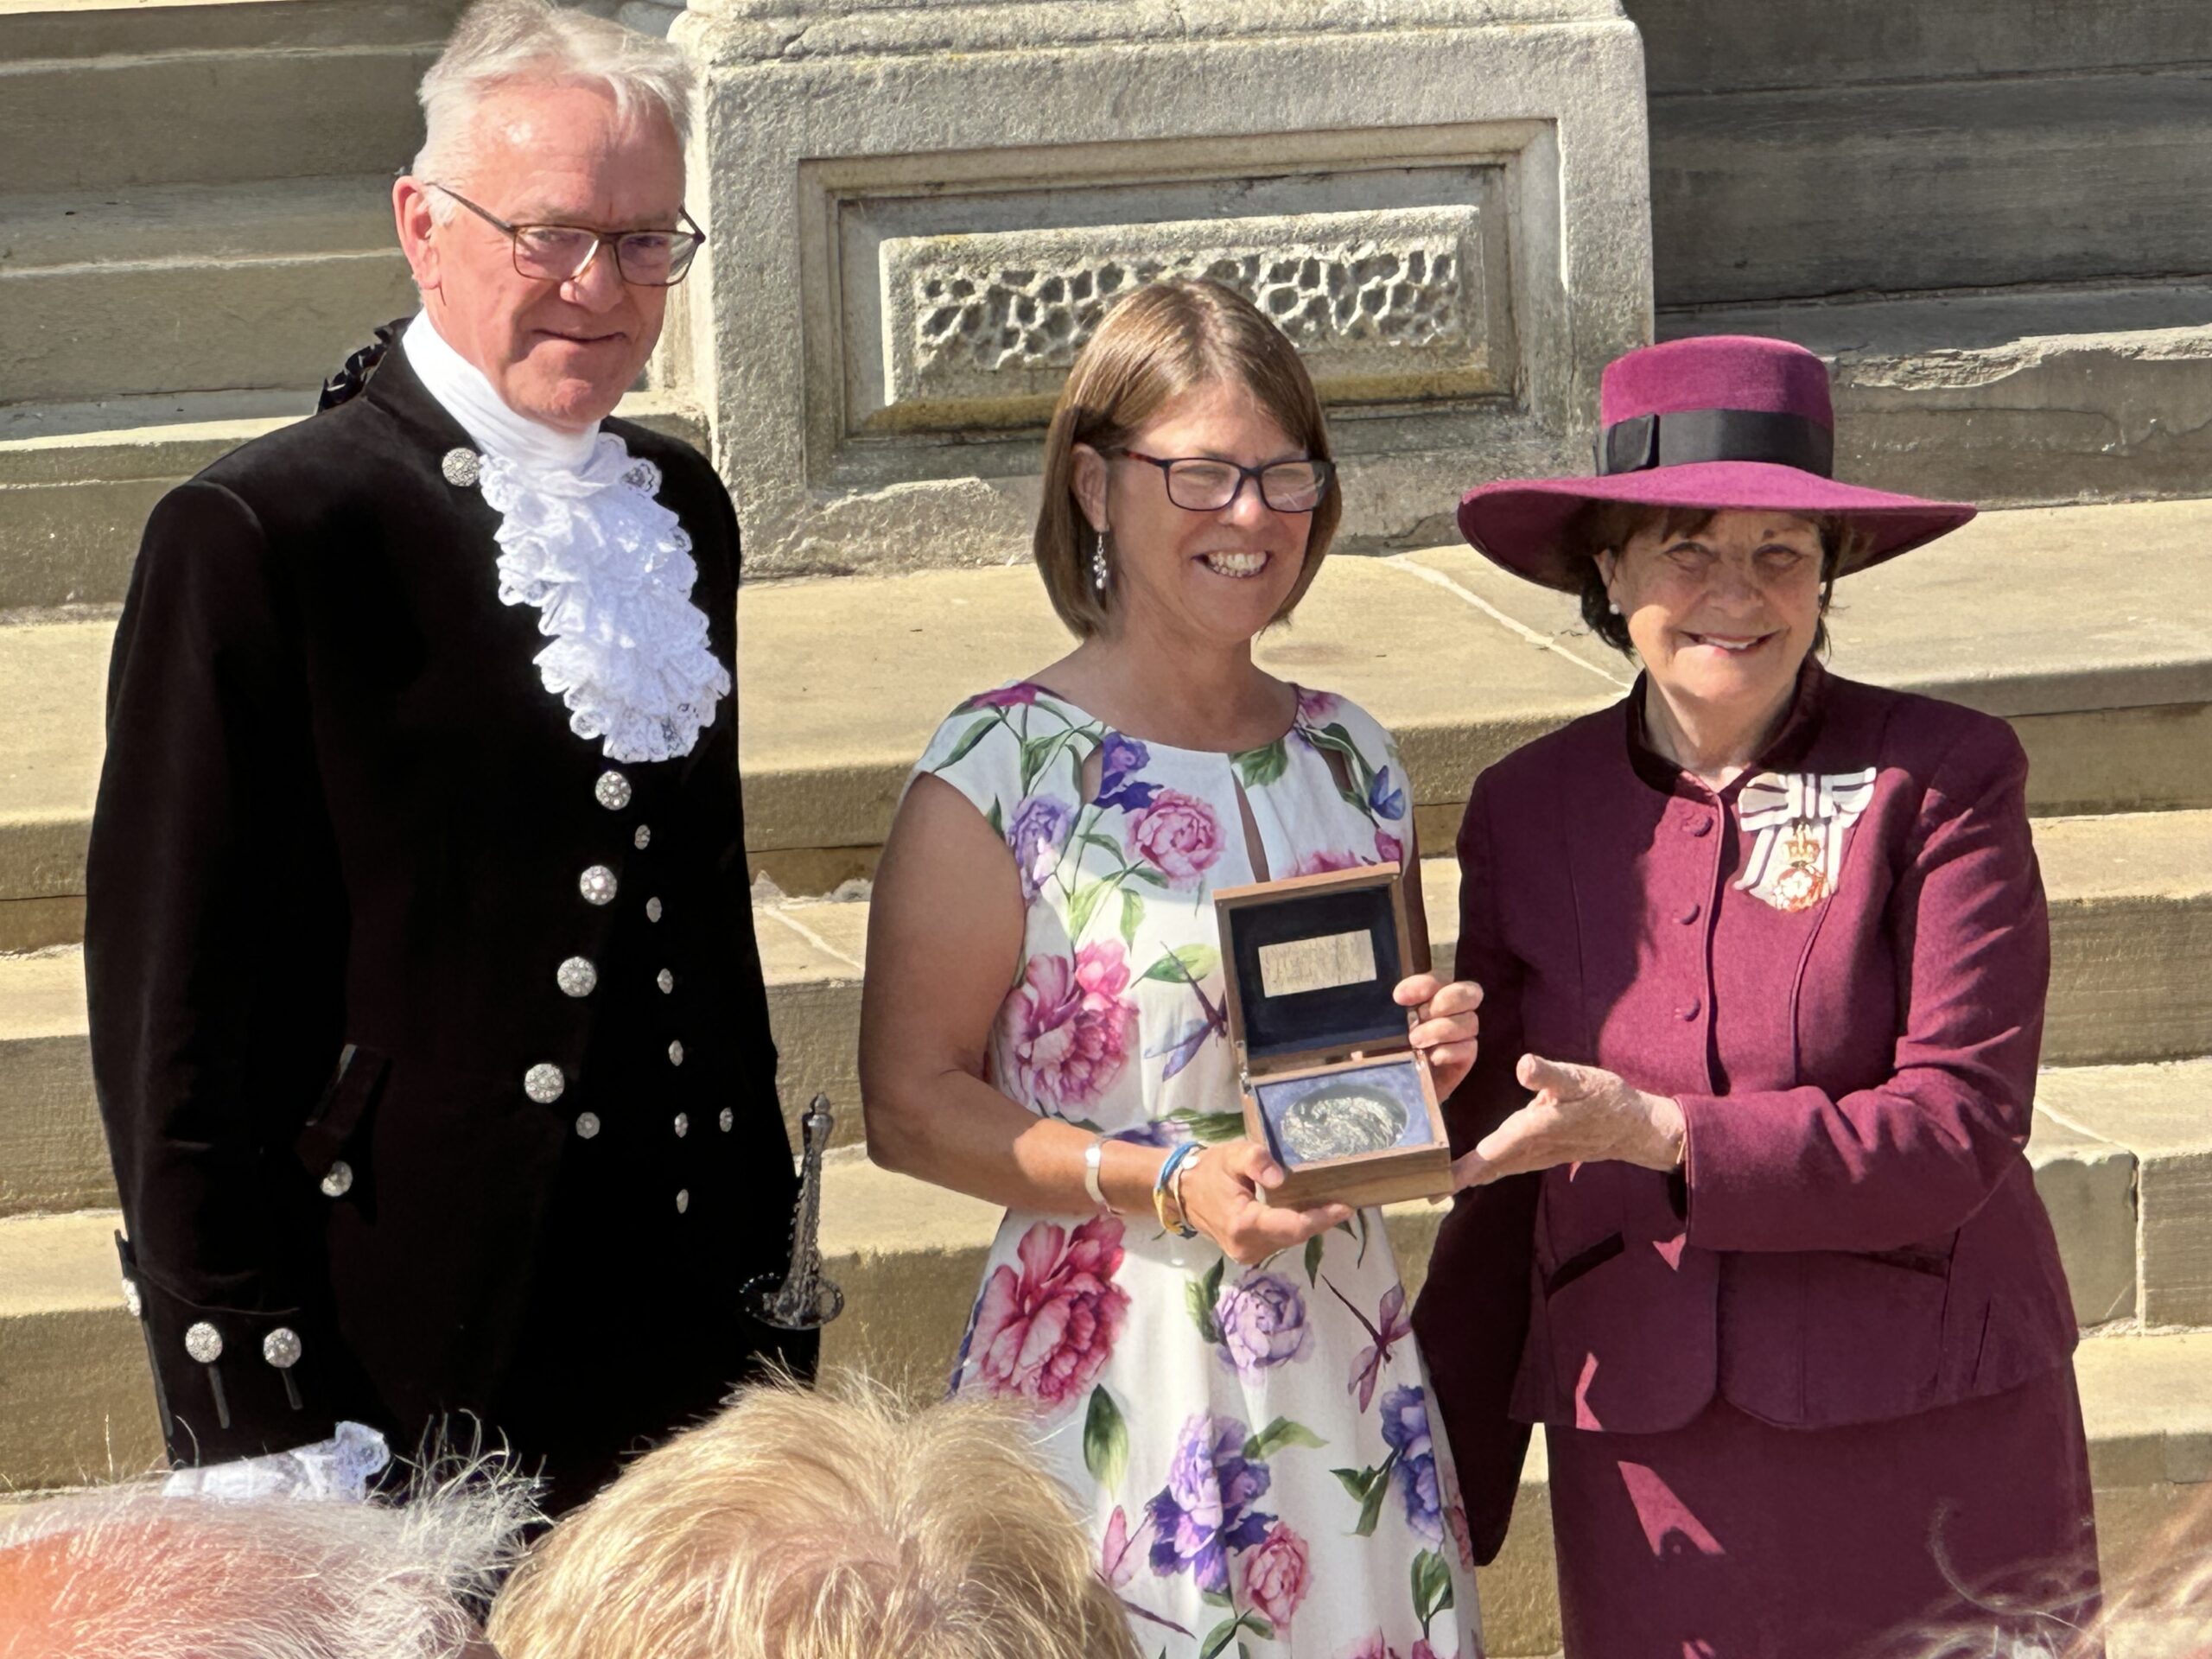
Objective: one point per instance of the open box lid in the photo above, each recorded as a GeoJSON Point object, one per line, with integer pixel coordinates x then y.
{"type": "Point", "coordinates": [1311, 962]}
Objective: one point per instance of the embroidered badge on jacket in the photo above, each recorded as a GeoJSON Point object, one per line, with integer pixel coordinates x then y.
{"type": "Point", "coordinates": [1799, 820]}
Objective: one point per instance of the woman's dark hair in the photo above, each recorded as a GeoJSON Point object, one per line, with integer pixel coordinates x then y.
{"type": "Point", "coordinates": [1610, 526]}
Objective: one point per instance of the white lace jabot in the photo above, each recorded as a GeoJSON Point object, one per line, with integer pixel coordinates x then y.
{"type": "Point", "coordinates": [609, 568]}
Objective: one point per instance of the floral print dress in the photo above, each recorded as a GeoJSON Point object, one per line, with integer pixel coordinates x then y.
{"type": "Point", "coordinates": [1253, 1445]}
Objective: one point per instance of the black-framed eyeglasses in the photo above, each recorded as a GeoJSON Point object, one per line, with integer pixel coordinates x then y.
{"type": "Point", "coordinates": [562, 253]}
{"type": "Point", "coordinates": [1203, 484]}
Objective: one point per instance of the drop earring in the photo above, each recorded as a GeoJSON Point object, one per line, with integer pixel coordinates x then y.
{"type": "Point", "coordinates": [1614, 605]}
{"type": "Point", "coordinates": [1098, 574]}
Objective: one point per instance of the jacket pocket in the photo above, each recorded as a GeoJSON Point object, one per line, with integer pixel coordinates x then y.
{"type": "Point", "coordinates": [1582, 1261]}
{"type": "Point", "coordinates": [332, 1130]}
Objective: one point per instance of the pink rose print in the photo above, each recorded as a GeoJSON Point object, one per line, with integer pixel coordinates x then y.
{"type": "Point", "coordinates": [1389, 849]}
{"type": "Point", "coordinates": [1068, 1025]}
{"type": "Point", "coordinates": [1276, 1576]}
{"type": "Point", "coordinates": [1319, 863]}
{"type": "Point", "coordinates": [1316, 708]}
{"type": "Point", "coordinates": [1178, 835]}
{"type": "Point", "coordinates": [1045, 1333]}
{"type": "Point", "coordinates": [1006, 696]}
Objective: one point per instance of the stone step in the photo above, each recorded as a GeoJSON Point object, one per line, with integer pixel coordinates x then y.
{"type": "Point", "coordinates": [1702, 46]}
{"type": "Point", "coordinates": [81, 30]}
{"type": "Point", "coordinates": [2019, 397]}
{"type": "Point", "coordinates": [75, 1402]}
{"type": "Point", "coordinates": [95, 100]}
{"type": "Point", "coordinates": [1797, 192]}
{"type": "Point", "coordinates": [2123, 1152]}
{"type": "Point", "coordinates": [2108, 684]}
{"type": "Point", "coordinates": [77, 480]}
{"type": "Point", "coordinates": [193, 288]}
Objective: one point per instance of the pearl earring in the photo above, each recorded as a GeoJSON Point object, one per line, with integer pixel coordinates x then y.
{"type": "Point", "coordinates": [1614, 605]}
{"type": "Point", "coordinates": [1098, 575]}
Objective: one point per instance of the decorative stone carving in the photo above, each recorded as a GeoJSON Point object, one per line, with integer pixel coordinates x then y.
{"type": "Point", "coordinates": [1371, 300]}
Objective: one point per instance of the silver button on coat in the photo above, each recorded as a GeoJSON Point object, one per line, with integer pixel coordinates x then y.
{"type": "Point", "coordinates": [544, 1082]}
{"type": "Point", "coordinates": [203, 1342]}
{"type": "Point", "coordinates": [280, 1348]}
{"type": "Point", "coordinates": [586, 1125]}
{"type": "Point", "coordinates": [612, 791]}
{"type": "Point", "coordinates": [682, 1124]}
{"type": "Point", "coordinates": [683, 1199]}
{"type": "Point", "coordinates": [338, 1180]}
{"type": "Point", "coordinates": [728, 1118]}
{"type": "Point", "coordinates": [676, 1053]}
{"type": "Point", "coordinates": [576, 976]}
{"type": "Point", "coordinates": [665, 980]}
{"type": "Point", "coordinates": [597, 885]}
{"type": "Point", "coordinates": [652, 910]}
{"type": "Point", "coordinates": [643, 838]}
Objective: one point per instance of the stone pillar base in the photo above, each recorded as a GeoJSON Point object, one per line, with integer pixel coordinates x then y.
{"type": "Point", "coordinates": [917, 213]}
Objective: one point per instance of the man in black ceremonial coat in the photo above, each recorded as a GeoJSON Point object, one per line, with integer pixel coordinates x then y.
{"type": "Point", "coordinates": [427, 1016]}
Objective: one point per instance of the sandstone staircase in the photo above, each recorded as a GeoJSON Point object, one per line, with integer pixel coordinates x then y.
{"type": "Point", "coordinates": [193, 231]}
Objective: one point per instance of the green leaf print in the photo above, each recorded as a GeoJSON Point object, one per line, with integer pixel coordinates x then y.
{"type": "Point", "coordinates": [1209, 1129]}
{"type": "Point", "coordinates": [1199, 1295]}
{"type": "Point", "coordinates": [996, 818]}
{"type": "Point", "coordinates": [1190, 963]}
{"type": "Point", "coordinates": [1104, 843]}
{"type": "Point", "coordinates": [1313, 1253]}
{"type": "Point", "coordinates": [1276, 1435]}
{"type": "Point", "coordinates": [1215, 1598]}
{"type": "Point", "coordinates": [1131, 917]}
{"type": "Point", "coordinates": [1105, 1440]}
{"type": "Point", "coordinates": [1035, 751]}
{"type": "Point", "coordinates": [1369, 1487]}
{"type": "Point", "coordinates": [1153, 876]}
{"type": "Point", "coordinates": [1257, 768]}
{"type": "Point", "coordinates": [1220, 1637]}
{"type": "Point", "coordinates": [1433, 1590]}
{"type": "Point", "coordinates": [1083, 906]}
{"type": "Point", "coordinates": [969, 739]}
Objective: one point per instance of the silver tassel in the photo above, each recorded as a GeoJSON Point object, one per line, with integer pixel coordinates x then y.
{"type": "Point", "coordinates": [804, 1298]}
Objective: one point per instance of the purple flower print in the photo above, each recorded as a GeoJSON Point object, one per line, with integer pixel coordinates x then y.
{"type": "Point", "coordinates": [1119, 759]}
{"type": "Point", "coordinates": [1006, 696]}
{"type": "Point", "coordinates": [1316, 708]}
{"type": "Point", "coordinates": [1262, 1322]}
{"type": "Point", "coordinates": [1205, 1512]}
{"type": "Point", "coordinates": [1405, 1430]}
{"type": "Point", "coordinates": [1037, 835]}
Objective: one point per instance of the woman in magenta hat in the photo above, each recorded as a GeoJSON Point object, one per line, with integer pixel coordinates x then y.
{"type": "Point", "coordinates": [1768, 947]}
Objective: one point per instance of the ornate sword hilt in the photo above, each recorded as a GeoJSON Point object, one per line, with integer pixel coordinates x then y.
{"type": "Point", "coordinates": [804, 1298]}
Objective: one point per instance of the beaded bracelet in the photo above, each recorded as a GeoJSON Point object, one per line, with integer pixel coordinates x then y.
{"type": "Point", "coordinates": [1160, 1191]}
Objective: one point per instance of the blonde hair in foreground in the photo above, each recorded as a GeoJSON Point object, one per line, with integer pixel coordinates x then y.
{"type": "Point", "coordinates": [798, 1525]}
{"type": "Point", "coordinates": [1166, 338]}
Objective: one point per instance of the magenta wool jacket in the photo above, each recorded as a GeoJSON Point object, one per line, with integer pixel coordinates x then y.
{"type": "Point", "coordinates": [1855, 1234]}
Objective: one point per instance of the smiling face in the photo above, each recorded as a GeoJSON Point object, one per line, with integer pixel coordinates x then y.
{"type": "Point", "coordinates": [1723, 615]}
{"type": "Point", "coordinates": [562, 353]}
{"type": "Point", "coordinates": [1217, 577]}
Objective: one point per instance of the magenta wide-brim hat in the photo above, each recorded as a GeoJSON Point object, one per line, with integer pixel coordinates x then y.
{"type": "Point", "coordinates": [1721, 423]}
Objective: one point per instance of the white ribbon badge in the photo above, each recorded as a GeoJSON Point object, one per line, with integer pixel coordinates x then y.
{"type": "Point", "coordinates": [1800, 819]}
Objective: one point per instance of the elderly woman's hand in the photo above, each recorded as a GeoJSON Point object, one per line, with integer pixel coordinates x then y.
{"type": "Point", "coordinates": [1447, 1028]}
{"type": "Point", "coordinates": [1221, 1196]}
{"type": "Point", "coordinates": [1581, 1114]}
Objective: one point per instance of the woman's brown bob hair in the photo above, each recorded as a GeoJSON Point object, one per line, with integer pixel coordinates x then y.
{"type": "Point", "coordinates": [1610, 526]}
{"type": "Point", "coordinates": [1164, 339]}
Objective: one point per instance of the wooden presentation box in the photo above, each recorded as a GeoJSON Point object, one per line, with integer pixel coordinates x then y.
{"type": "Point", "coordinates": [1332, 1087]}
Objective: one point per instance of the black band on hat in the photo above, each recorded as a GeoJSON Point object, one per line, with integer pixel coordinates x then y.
{"type": "Point", "coordinates": [1694, 435]}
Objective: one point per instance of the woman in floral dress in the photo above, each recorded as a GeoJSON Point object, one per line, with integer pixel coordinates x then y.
{"type": "Point", "coordinates": [1240, 1410]}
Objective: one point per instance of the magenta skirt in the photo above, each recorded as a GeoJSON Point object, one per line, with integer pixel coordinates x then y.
{"type": "Point", "coordinates": [1931, 1535]}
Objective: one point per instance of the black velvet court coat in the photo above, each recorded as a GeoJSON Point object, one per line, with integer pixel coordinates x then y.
{"type": "Point", "coordinates": [337, 866]}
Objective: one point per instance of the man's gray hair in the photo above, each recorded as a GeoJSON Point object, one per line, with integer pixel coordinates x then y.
{"type": "Point", "coordinates": [125, 1573]}
{"type": "Point", "coordinates": [502, 42]}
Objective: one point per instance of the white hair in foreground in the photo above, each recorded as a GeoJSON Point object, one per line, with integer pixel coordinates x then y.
{"type": "Point", "coordinates": [501, 42]}
{"type": "Point", "coordinates": [124, 1573]}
